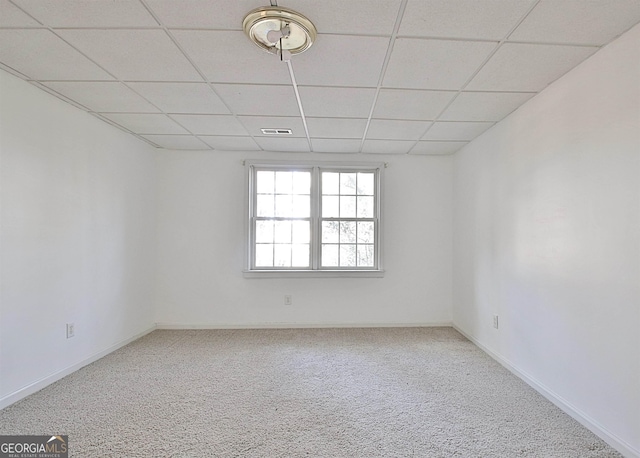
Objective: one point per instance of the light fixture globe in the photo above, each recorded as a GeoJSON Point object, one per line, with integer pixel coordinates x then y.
{"type": "Point", "coordinates": [298, 32]}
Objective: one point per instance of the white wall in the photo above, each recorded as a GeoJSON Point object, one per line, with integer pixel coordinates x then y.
{"type": "Point", "coordinates": [77, 234]}
{"type": "Point", "coordinates": [201, 241]}
{"type": "Point", "coordinates": [547, 227]}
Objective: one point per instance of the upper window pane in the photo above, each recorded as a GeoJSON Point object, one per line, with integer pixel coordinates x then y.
{"type": "Point", "coordinates": [366, 184]}
{"type": "Point", "coordinates": [330, 183]}
{"type": "Point", "coordinates": [348, 183]}
{"type": "Point", "coordinates": [301, 182]}
{"type": "Point", "coordinates": [283, 194]}
{"type": "Point", "coordinates": [330, 206]}
{"type": "Point", "coordinates": [265, 182]}
{"type": "Point", "coordinates": [265, 205]}
{"type": "Point", "coordinates": [347, 206]}
{"type": "Point", "coordinates": [301, 206]}
{"type": "Point", "coordinates": [365, 206]}
{"type": "Point", "coordinates": [284, 182]}
{"type": "Point", "coordinates": [284, 206]}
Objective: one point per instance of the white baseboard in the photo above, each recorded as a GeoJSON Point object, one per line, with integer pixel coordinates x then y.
{"type": "Point", "coordinates": [49, 379]}
{"type": "Point", "coordinates": [620, 445]}
{"type": "Point", "coordinates": [284, 325]}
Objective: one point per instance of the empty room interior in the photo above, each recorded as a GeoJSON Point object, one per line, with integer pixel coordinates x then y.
{"type": "Point", "coordinates": [321, 228]}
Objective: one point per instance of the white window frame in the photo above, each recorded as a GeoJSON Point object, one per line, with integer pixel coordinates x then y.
{"type": "Point", "coordinates": [250, 271]}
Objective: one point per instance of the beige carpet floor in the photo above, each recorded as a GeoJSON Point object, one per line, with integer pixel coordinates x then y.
{"type": "Point", "coordinates": [386, 392]}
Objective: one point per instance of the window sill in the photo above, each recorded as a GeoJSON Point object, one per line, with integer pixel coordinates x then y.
{"type": "Point", "coordinates": [313, 273]}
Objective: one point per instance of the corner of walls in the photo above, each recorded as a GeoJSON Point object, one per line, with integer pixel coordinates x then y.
{"type": "Point", "coordinates": [77, 215]}
{"type": "Point", "coordinates": [546, 235]}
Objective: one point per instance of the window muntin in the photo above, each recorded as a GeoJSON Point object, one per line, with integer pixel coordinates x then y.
{"type": "Point", "coordinates": [314, 218]}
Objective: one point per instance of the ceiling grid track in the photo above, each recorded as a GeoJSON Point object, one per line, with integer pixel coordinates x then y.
{"type": "Point", "coordinates": [473, 75]}
{"type": "Point", "coordinates": [295, 89]}
{"type": "Point", "coordinates": [419, 77]}
{"type": "Point", "coordinates": [200, 72]}
{"type": "Point", "coordinates": [385, 63]}
{"type": "Point", "coordinates": [64, 98]}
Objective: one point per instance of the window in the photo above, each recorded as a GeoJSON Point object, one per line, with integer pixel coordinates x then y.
{"type": "Point", "coordinates": [314, 218]}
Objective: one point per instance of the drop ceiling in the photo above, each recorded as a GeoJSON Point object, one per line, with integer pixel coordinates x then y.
{"type": "Point", "coordinates": [384, 76]}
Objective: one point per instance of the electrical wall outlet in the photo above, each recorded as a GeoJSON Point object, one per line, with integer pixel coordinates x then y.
{"type": "Point", "coordinates": [287, 299]}
{"type": "Point", "coordinates": [495, 321]}
{"type": "Point", "coordinates": [71, 330]}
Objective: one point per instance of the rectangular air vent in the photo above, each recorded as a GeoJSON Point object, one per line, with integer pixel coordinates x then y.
{"type": "Point", "coordinates": [277, 131]}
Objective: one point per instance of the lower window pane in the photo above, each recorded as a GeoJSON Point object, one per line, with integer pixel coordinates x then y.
{"type": "Point", "coordinates": [282, 256]}
{"type": "Point", "coordinates": [301, 232]}
{"type": "Point", "coordinates": [330, 231]}
{"type": "Point", "coordinates": [264, 231]}
{"type": "Point", "coordinates": [347, 232]}
{"type": "Point", "coordinates": [300, 255]}
{"type": "Point", "coordinates": [283, 232]}
{"type": "Point", "coordinates": [265, 205]}
{"type": "Point", "coordinates": [330, 206]}
{"type": "Point", "coordinates": [329, 255]}
{"type": "Point", "coordinates": [365, 232]}
{"type": "Point", "coordinates": [365, 256]}
{"type": "Point", "coordinates": [347, 255]}
{"type": "Point", "coordinates": [264, 255]}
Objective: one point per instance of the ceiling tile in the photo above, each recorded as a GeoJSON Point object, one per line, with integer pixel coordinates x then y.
{"type": "Point", "coordinates": [484, 106]}
{"type": "Point", "coordinates": [337, 102]}
{"type": "Point", "coordinates": [40, 54]}
{"type": "Point", "coordinates": [387, 129]}
{"type": "Point", "coordinates": [177, 142]}
{"type": "Point", "coordinates": [134, 55]}
{"type": "Point", "coordinates": [411, 103]}
{"type": "Point", "coordinates": [336, 127]}
{"type": "Point", "coordinates": [259, 100]}
{"type": "Point", "coordinates": [146, 123]}
{"type": "Point", "coordinates": [292, 145]}
{"type": "Point", "coordinates": [202, 124]}
{"type": "Point", "coordinates": [103, 96]}
{"type": "Point", "coordinates": [229, 57]}
{"type": "Point", "coordinates": [591, 22]}
{"type": "Point", "coordinates": [230, 143]}
{"type": "Point", "coordinates": [354, 17]}
{"type": "Point", "coordinates": [451, 130]}
{"type": "Point", "coordinates": [181, 97]}
{"type": "Point", "coordinates": [203, 14]}
{"type": "Point", "coordinates": [527, 67]}
{"type": "Point", "coordinates": [338, 60]}
{"type": "Point", "coordinates": [253, 124]}
{"type": "Point", "coordinates": [434, 64]}
{"type": "Point", "coordinates": [387, 146]}
{"type": "Point", "coordinates": [94, 13]}
{"type": "Point", "coordinates": [12, 16]}
{"type": "Point", "coordinates": [334, 145]}
{"type": "Point", "coordinates": [436, 148]}
{"type": "Point", "coordinates": [471, 19]}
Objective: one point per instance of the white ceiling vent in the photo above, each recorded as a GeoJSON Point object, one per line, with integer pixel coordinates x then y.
{"type": "Point", "coordinates": [271, 131]}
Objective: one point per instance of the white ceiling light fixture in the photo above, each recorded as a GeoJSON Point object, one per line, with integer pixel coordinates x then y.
{"type": "Point", "coordinates": [279, 30]}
